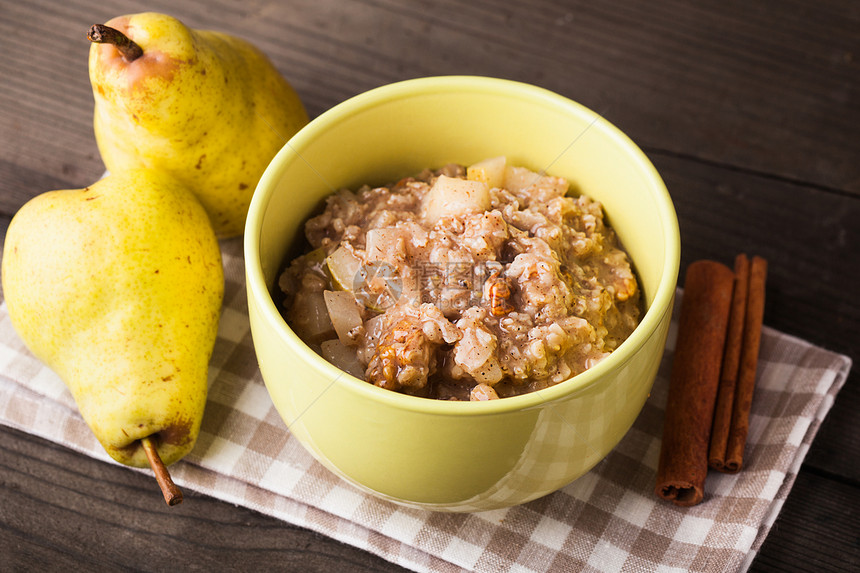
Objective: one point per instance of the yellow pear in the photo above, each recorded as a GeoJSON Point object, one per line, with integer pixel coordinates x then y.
{"type": "Point", "coordinates": [117, 288]}
{"type": "Point", "coordinates": [204, 106]}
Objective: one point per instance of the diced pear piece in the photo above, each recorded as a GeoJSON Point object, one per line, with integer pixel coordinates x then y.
{"type": "Point", "coordinates": [342, 356]}
{"type": "Point", "coordinates": [343, 266]}
{"type": "Point", "coordinates": [344, 314]}
{"type": "Point", "coordinates": [385, 244]}
{"type": "Point", "coordinates": [309, 316]}
{"type": "Point", "coordinates": [452, 196]}
{"type": "Point", "coordinates": [316, 256]}
{"type": "Point", "coordinates": [519, 178]}
{"type": "Point", "coordinates": [489, 171]}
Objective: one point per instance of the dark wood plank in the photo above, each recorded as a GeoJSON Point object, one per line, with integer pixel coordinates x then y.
{"type": "Point", "coordinates": [60, 511]}
{"type": "Point", "coordinates": [810, 237]}
{"type": "Point", "coordinates": [45, 101]}
{"type": "Point", "coordinates": [836, 448]}
{"type": "Point", "coordinates": [820, 509]}
{"type": "Point", "coordinates": [103, 517]}
{"type": "Point", "coordinates": [726, 83]}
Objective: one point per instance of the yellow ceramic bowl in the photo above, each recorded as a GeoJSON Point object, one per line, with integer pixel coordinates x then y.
{"type": "Point", "coordinates": [459, 456]}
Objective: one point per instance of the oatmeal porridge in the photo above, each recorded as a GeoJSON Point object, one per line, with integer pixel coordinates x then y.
{"type": "Point", "coordinates": [462, 283]}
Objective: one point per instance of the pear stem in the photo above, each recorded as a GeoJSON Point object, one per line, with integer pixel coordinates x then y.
{"type": "Point", "coordinates": [172, 494]}
{"type": "Point", "coordinates": [101, 34]}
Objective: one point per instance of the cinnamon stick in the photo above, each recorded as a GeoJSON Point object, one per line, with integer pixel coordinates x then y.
{"type": "Point", "coordinates": [702, 328]}
{"type": "Point", "coordinates": [731, 364]}
{"type": "Point", "coordinates": [748, 366]}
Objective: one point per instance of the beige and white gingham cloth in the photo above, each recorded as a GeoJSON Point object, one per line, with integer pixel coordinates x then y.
{"type": "Point", "coordinates": [608, 520]}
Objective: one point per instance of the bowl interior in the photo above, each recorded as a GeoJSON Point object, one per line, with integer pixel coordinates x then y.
{"type": "Point", "coordinates": [400, 129]}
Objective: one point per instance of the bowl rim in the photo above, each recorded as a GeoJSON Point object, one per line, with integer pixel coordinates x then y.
{"type": "Point", "coordinates": [291, 151]}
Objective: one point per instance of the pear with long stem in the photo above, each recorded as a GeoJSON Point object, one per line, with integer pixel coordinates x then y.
{"type": "Point", "coordinates": [117, 287]}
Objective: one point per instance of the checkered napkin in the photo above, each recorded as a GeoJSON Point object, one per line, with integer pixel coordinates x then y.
{"type": "Point", "coordinates": [608, 520]}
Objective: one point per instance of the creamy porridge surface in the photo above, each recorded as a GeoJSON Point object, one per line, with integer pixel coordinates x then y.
{"type": "Point", "coordinates": [462, 283]}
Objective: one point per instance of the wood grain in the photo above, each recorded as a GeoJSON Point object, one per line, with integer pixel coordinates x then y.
{"type": "Point", "coordinates": [823, 509]}
{"type": "Point", "coordinates": [99, 517]}
{"type": "Point", "coordinates": [748, 110]}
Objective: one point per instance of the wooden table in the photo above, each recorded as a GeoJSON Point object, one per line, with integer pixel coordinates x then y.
{"type": "Point", "coordinates": [750, 111]}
